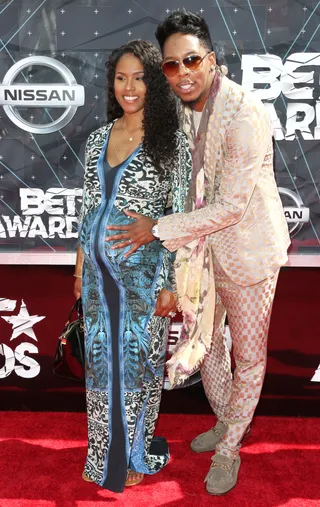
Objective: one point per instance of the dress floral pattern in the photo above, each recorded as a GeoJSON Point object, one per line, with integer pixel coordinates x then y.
{"type": "Point", "coordinates": [125, 344]}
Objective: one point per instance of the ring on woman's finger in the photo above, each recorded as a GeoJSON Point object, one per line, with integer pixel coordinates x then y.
{"type": "Point", "coordinates": [130, 240]}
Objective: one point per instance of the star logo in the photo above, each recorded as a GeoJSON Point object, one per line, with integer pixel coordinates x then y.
{"type": "Point", "coordinates": [316, 376]}
{"type": "Point", "coordinates": [23, 323]}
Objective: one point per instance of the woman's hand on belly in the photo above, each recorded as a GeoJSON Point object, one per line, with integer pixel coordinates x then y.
{"type": "Point", "coordinates": [165, 304]}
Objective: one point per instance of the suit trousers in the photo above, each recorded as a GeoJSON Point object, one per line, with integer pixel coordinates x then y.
{"type": "Point", "coordinates": [233, 398]}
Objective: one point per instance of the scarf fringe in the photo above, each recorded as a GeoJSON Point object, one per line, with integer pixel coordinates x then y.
{"type": "Point", "coordinates": [187, 358]}
{"type": "Point", "coordinates": [179, 377]}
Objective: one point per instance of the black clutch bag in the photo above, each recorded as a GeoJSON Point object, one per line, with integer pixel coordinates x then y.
{"type": "Point", "coordinates": [69, 361]}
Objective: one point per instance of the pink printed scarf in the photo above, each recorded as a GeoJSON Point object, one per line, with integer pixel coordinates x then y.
{"type": "Point", "coordinates": [194, 263]}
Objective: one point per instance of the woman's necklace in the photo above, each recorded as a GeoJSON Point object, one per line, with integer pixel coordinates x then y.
{"type": "Point", "coordinates": [130, 139]}
{"type": "Point", "coordinates": [115, 149]}
{"type": "Point", "coordinates": [130, 135]}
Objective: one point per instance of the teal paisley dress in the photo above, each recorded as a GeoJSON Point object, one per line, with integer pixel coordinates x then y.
{"type": "Point", "coordinates": [125, 343]}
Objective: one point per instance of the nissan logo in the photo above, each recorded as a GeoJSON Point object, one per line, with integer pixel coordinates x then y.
{"type": "Point", "coordinates": [68, 95]}
{"type": "Point", "coordinates": [296, 215]}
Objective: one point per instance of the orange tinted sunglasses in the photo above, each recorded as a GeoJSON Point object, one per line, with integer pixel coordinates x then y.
{"type": "Point", "coordinates": [192, 62]}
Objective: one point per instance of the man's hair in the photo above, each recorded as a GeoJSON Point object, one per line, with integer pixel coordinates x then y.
{"type": "Point", "coordinates": [186, 22]}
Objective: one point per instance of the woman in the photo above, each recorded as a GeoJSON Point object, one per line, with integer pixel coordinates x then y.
{"type": "Point", "coordinates": [132, 163]}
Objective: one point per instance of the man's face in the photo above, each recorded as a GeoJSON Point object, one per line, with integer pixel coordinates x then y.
{"type": "Point", "coordinates": [192, 86]}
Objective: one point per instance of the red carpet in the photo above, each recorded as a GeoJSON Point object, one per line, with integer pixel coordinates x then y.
{"type": "Point", "coordinates": [42, 455]}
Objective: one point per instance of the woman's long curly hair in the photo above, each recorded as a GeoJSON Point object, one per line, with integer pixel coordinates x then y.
{"type": "Point", "coordinates": [160, 120]}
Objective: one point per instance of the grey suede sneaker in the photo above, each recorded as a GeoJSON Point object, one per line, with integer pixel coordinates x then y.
{"type": "Point", "coordinates": [207, 441]}
{"type": "Point", "coordinates": [223, 474]}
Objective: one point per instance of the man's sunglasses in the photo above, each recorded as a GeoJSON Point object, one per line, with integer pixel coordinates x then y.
{"type": "Point", "coordinates": [171, 68]}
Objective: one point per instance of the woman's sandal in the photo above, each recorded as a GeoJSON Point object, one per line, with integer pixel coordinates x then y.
{"type": "Point", "coordinates": [86, 478]}
{"type": "Point", "coordinates": [133, 478]}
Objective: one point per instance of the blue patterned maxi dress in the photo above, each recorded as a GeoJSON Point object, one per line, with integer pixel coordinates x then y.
{"type": "Point", "coordinates": [125, 344]}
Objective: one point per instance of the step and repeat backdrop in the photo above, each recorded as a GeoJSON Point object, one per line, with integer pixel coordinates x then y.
{"type": "Point", "coordinates": [52, 96]}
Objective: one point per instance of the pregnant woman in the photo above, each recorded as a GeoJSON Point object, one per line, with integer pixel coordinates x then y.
{"type": "Point", "coordinates": [137, 162]}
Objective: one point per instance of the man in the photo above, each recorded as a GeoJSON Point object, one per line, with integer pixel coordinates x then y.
{"type": "Point", "coordinates": [231, 239]}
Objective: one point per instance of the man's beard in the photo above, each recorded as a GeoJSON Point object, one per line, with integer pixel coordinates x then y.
{"type": "Point", "coordinates": [191, 103]}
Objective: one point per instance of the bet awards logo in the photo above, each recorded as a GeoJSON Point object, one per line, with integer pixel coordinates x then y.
{"type": "Point", "coordinates": [16, 358]}
{"type": "Point", "coordinates": [268, 77]}
{"type": "Point", "coordinates": [68, 96]}
{"type": "Point", "coordinates": [44, 214]}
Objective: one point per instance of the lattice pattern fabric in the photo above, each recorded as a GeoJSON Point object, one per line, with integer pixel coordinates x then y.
{"type": "Point", "coordinates": [234, 399]}
{"type": "Point", "coordinates": [244, 215]}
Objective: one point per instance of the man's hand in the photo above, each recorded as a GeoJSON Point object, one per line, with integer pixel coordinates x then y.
{"type": "Point", "coordinates": [165, 304]}
{"type": "Point", "coordinates": [136, 234]}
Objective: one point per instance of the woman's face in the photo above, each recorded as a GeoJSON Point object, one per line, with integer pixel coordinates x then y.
{"type": "Point", "coordinates": [129, 87]}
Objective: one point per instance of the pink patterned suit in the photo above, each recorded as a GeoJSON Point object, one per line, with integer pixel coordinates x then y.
{"type": "Point", "coordinates": [247, 231]}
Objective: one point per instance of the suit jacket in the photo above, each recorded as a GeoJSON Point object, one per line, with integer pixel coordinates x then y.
{"type": "Point", "coordinates": [244, 218]}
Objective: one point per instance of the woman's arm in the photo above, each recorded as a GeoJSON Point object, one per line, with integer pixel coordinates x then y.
{"type": "Point", "coordinates": [181, 174]}
{"type": "Point", "coordinates": [180, 177]}
{"type": "Point", "coordinates": [77, 289]}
